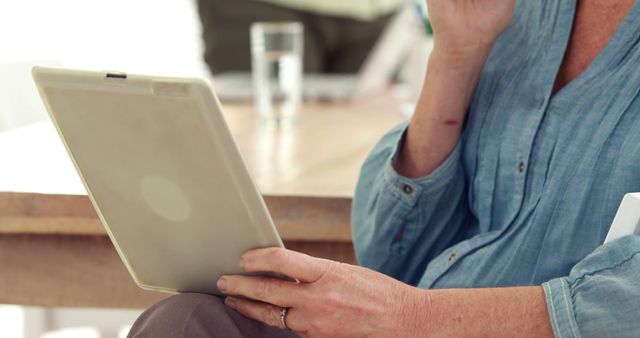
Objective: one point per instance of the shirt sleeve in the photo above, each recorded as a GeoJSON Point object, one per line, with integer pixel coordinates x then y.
{"type": "Point", "coordinates": [400, 224]}
{"type": "Point", "coordinates": [601, 295]}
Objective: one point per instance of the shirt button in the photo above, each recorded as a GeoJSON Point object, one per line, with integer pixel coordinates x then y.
{"type": "Point", "coordinates": [407, 189]}
{"type": "Point", "coordinates": [521, 167]}
{"type": "Point", "coordinates": [452, 256]}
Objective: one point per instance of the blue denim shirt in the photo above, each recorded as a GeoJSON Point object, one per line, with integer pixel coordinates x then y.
{"type": "Point", "coordinates": [529, 193]}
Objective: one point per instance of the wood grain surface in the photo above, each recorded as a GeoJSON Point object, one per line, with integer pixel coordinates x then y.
{"type": "Point", "coordinates": [296, 217]}
{"type": "Point", "coordinates": [55, 252]}
{"type": "Point", "coordinates": [85, 271]}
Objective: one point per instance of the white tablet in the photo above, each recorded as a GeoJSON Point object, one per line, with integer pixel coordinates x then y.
{"type": "Point", "coordinates": [163, 173]}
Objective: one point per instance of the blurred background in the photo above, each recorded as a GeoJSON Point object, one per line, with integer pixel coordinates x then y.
{"type": "Point", "coordinates": [140, 36]}
{"type": "Point", "coordinates": [204, 38]}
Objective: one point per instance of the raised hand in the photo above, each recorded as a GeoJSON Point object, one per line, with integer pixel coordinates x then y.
{"type": "Point", "coordinates": [463, 24]}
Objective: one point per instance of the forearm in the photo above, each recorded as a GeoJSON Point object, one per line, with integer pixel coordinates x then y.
{"type": "Point", "coordinates": [465, 32]}
{"type": "Point", "coordinates": [496, 312]}
{"type": "Point", "coordinates": [436, 125]}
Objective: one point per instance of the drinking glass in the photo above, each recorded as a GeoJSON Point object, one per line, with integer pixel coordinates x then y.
{"type": "Point", "coordinates": [277, 51]}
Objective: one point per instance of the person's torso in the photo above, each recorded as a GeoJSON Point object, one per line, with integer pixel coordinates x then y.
{"type": "Point", "coordinates": [545, 173]}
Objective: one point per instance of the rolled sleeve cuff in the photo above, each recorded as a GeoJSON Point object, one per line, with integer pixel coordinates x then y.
{"type": "Point", "coordinates": [561, 309]}
{"type": "Point", "coordinates": [409, 190]}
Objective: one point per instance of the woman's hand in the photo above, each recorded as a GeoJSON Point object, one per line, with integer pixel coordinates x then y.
{"type": "Point", "coordinates": [461, 25]}
{"type": "Point", "coordinates": [331, 299]}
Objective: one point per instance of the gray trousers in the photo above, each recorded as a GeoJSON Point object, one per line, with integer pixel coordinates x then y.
{"type": "Point", "coordinates": [194, 315]}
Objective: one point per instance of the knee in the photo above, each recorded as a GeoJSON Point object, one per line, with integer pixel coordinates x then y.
{"type": "Point", "coordinates": [172, 314]}
{"type": "Point", "coordinates": [188, 301]}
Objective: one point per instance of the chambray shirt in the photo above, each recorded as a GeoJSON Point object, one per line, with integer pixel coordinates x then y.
{"type": "Point", "coordinates": [529, 193]}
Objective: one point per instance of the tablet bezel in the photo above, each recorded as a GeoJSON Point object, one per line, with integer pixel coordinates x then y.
{"type": "Point", "coordinates": [210, 109]}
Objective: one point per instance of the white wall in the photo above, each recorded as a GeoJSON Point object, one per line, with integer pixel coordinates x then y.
{"type": "Point", "coordinates": [144, 36]}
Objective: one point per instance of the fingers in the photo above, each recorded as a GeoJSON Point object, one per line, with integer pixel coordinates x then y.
{"type": "Point", "coordinates": [269, 290]}
{"type": "Point", "coordinates": [266, 313]}
{"type": "Point", "coordinates": [290, 263]}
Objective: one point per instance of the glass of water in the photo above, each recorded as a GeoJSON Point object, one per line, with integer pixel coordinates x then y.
{"type": "Point", "coordinates": [277, 51]}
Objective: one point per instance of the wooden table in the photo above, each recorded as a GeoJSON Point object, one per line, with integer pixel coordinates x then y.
{"type": "Point", "coordinates": [54, 251]}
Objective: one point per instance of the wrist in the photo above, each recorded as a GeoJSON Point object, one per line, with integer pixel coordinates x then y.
{"type": "Point", "coordinates": [416, 312]}
{"type": "Point", "coordinates": [470, 57]}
